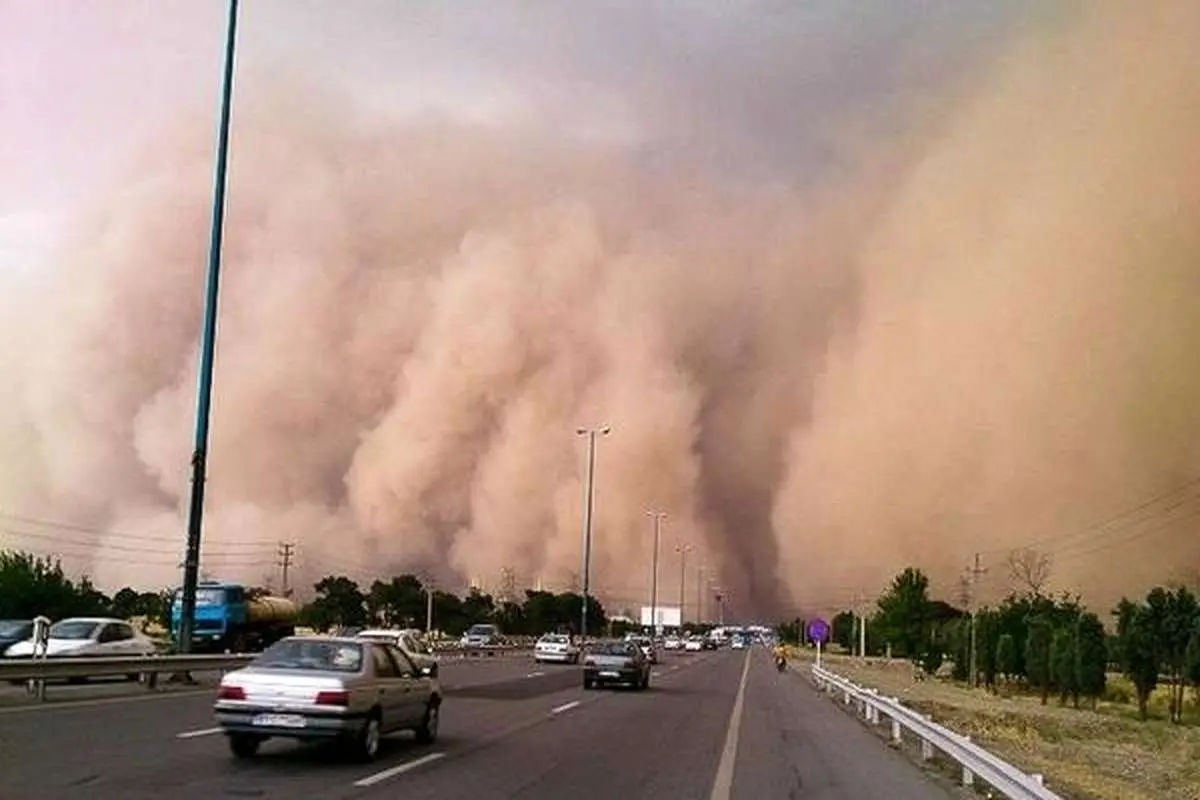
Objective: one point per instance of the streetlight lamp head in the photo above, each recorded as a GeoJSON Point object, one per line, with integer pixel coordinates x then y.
{"type": "Point", "coordinates": [605, 431]}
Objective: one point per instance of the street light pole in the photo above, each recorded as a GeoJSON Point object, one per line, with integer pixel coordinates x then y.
{"type": "Point", "coordinates": [658, 517]}
{"type": "Point", "coordinates": [191, 561]}
{"type": "Point", "coordinates": [683, 551]}
{"type": "Point", "coordinates": [589, 494]}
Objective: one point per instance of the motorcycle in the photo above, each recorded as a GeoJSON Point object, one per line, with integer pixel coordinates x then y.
{"type": "Point", "coordinates": [780, 663]}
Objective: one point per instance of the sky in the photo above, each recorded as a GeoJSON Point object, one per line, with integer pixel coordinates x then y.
{"type": "Point", "coordinates": [855, 286]}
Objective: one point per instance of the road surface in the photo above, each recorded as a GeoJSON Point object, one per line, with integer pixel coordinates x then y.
{"type": "Point", "coordinates": [713, 726]}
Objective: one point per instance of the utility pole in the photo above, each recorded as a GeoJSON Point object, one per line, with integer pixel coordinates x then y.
{"type": "Point", "coordinates": [208, 340]}
{"type": "Point", "coordinates": [589, 496]}
{"type": "Point", "coordinates": [862, 627]}
{"type": "Point", "coordinates": [286, 551]}
{"type": "Point", "coordinates": [975, 570]}
{"type": "Point", "coordinates": [658, 517]}
{"type": "Point", "coordinates": [683, 551]}
{"type": "Point", "coordinates": [720, 608]}
{"type": "Point", "coordinates": [700, 593]}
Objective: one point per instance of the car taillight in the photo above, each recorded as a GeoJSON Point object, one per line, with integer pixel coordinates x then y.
{"type": "Point", "coordinates": [231, 693]}
{"type": "Point", "coordinates": [333, 698]}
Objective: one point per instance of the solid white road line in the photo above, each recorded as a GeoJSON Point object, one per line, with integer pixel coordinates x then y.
{"type": "Point", "coordinates": [197, 734]}
{"type": "Point", "coordinates": [565, 707]}
{"type": "Point", "coordinates": [723, 783]}
{"type": "Point", "coordinates": [400, 769]}
{"type": "Point", "coordinates": [535, 675]}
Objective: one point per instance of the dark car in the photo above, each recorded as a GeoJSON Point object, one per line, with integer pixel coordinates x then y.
{"type": "Point", "coordinates": [611, 663]}
{"type": "Point", "coordinates": [13, 631]}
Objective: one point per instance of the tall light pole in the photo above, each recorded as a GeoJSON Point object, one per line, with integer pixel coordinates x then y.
{"type": "Point", "coordinates": [589, 495]}
{"type": "Point", "coordinates": [683, 551]}
{"type": "Point", "coordinates": [208, 337]}
{"type": "Point", "coordinates": [658, 517]}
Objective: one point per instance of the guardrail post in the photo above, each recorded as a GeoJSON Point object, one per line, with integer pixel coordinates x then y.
{"type": "Point", "coordinates": [968, 777]}
{"type": "Point", "coordinates": [1038, 778]}
{"type": "Point", "coordinates": [926, 750]}
{"type": "Point", "coordinates": [896, 734]}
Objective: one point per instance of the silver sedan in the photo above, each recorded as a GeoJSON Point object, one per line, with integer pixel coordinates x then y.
{"type": "Point", "coordinates": [325, 687]}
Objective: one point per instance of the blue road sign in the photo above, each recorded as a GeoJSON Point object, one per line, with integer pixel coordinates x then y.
{"type": "Point", "coordinates": [818, 631]}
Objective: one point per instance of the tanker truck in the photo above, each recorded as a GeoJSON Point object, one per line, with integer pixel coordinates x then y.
{"type": "Point", "coordinates": [230, 617]}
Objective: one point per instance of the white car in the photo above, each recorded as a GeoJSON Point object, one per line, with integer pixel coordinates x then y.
{"type": "Point", "coordinates": [672, 643]}
{"type": "Point", "coordinates": [738, 643]}
{"type": "Point", "coordinates": [409, 641]}
{"type": "Point", "coordinates": [556, 647]}
{"type": "Point", "coordinates": [693, 645]}
{"type": "Point", "coordinates": [89, 636]}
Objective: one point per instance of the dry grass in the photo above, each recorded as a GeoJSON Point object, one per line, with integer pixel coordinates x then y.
{"type": "Point", "coordinates": [1105, 754]}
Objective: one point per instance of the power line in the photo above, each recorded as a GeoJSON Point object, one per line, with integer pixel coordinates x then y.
{"type": "Point", "coordinates": [111, 534]}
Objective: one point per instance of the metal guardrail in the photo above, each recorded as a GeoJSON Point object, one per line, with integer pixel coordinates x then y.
{"type": "Point", "coordinates": [975, 761]}
{"type": "Point", "coordinates": [53, 668]}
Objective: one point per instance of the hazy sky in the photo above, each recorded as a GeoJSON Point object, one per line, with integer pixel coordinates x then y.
{"type": "Point", "coordinates": [857, 285]}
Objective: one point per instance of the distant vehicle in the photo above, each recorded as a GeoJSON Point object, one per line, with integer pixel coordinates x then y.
{"type": "Point", "coordinates": [332, 688]}
{"type": "Point", "coordinates": [407, 640]}
{"type": "Point", "coordinates": [89, 636]}
{"type": "Point", "coordinates": [737, 643]}
{"type": "Point", "coordinates": [672, 643]}
{"type": "Point", "coordinates": [229, 618]}
{"type": "Point", "coordinates": [13, 631]}
{"type": "Point", "coordinates": [648, 647]}
{"type": "Point", "coordinates": [556, 647]}
{"type": "Point", "coordinates": [694, 644]}
{"type": "Point", "coordinates": [616, 663]}
{"type": "Point", "coordinates": [481, 635]}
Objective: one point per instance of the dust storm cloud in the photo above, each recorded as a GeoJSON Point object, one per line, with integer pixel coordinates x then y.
{"type": "Point", "coordinates": [834, 330]}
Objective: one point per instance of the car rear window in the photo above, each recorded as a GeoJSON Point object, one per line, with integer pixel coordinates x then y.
{"type": "Point", "coordinates": [306, 654]}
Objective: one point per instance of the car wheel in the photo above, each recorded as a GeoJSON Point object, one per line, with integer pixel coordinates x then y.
{"type": "Point", "coordinates": [588, 684]}
{"type": "Point", "coordinates": [428, 731]}
{"type": "Point", "coordinates": [243, 745]}
{"type": "Point", "coordinates": [367, 743]}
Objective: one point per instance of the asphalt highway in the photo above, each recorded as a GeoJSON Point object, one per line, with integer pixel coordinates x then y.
{"type": "Point", "coordinates": [712, 726]}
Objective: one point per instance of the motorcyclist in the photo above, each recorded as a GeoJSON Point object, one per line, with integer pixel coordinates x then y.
{"type": "Point", "coordinates": [780, 656]}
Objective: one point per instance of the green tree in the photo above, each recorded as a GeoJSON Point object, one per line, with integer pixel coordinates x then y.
{"type": "Point", "coordinates": [1091, 657]}
{"type": "Point", "coordinates": [339, 602]}
{"type": "Point", "coordinates": [1192, 671]}
{"type": "Point", "coordinates": [1007, 663]}
{"type": "Point", "coordinates": [32, 586]}
{"type": "Point", "coordinates": [1177, 611]}
{"type": "Point", "coordinates": [1140, 651]}
{"type": "Point", "coordinates": [842, 629]}
{"type": "Point", "coordinates": [987, 642]}
{"type": "Point", "coordinates": [957, 635]}
{"type": "Point", "coordinates": [400, 601]}
{"type": "Point", "coordinates": [1037, 654]}
{"type": "Point", "coordinates": [1062, 665]}
{"type": "Point", "coordinates": [903, 619]}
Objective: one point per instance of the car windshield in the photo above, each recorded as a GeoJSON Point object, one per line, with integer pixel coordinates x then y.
{"type": "Point", "coordinates": [554, 638]}
{"type": "Point", "coordinates": [482, 630]}
{"type": "Point", "coordinates": [73, 629]}
{"type": "Point", "coordinates": [14, 627]}
{"type": "Point", "coordinates": [312, 655]}
{"type": "Point", "coordinates": [204, 597]}
{"type": "Point", "coordinates": [615, 649]}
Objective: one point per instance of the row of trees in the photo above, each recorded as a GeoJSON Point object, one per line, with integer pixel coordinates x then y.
{"type": "Point", "coordinates": [1051, 645]}
{"type": "Point", "coordinates": [32, 586]}
{"type": "Point", "coordinates": [404, 602]}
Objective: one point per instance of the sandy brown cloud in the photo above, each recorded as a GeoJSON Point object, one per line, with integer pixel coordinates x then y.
{"type": "Point", "coordinates": [977, 330]}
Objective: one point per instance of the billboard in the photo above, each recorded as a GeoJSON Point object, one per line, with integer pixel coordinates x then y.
{"type": "Point", "coordinates": [667, 617]}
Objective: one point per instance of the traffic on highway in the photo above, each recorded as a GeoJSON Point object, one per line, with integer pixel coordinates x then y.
{"type": "Point", "coordinates": [331, 717]}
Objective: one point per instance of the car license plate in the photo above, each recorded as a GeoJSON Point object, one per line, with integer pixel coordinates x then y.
{"type": "Point", "coordinates": [279, 720]}
{"type": "Point", "coordinates": [610, 674]}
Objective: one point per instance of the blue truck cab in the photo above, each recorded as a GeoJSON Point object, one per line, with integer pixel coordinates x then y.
{"type": "Point", "coordinates": [228, 618]}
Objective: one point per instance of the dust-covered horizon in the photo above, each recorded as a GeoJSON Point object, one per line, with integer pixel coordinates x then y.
{"type": "Point", "coordinates": [832, 337]}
